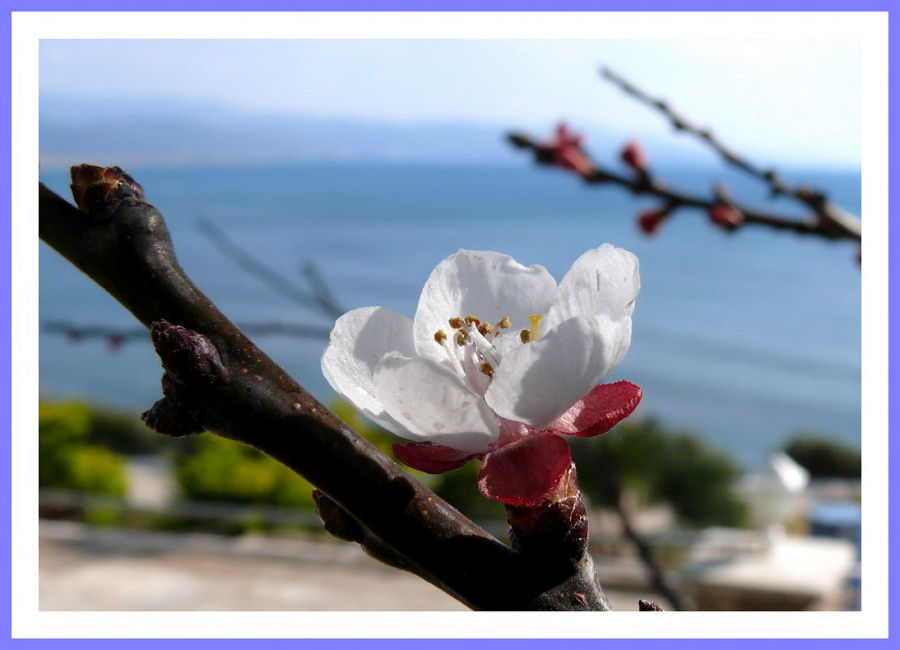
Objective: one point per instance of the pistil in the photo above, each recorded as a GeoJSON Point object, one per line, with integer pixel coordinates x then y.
{"type": "Point", "coordinates": [535, 327]}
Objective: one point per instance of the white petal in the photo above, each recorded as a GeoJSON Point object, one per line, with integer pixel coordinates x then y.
{"type": "Point", "coordinates": [605, 280]}
{"type": "Point", "coordinates": [433, 405]}
{"type": "Point", "coordinates": [483, 284]}
{"type": "Point", "coordinates": [359, 340]}
{"type": "Point", "coordinates": [538, 381]}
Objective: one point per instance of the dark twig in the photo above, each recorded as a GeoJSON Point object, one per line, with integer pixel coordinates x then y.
{"type": "Point", "coordinates": [647, 185]}
{"type": "Point", "coordinates": [218, 380]}
{"type": "Point", "coordinates": [84, 332]}
{"type": "Point", "coordinates": [842, 224]}
{"type": "Point", "coordinates": [612, 487]}
{"type": "Point", "coordinates": [320, 295]}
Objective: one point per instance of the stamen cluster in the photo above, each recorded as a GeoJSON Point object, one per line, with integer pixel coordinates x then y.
{"type": "Point", "coordinates": [478, 353]}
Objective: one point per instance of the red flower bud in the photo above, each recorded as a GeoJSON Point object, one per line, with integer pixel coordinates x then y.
{"type": "Point", "coordinates": [565, 151]}
{"type": "Point", "coordinates": [650, 221]}
{"type": "Point", "coordinates": [633, 155]}
{"type": "Point", "coordinates": [726, 216]}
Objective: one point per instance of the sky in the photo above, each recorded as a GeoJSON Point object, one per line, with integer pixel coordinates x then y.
{"type": "Point", "coordinates": [796, 101]}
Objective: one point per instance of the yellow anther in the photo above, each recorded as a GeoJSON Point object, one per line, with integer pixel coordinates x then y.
{"type": "Point", "coordinates": [485, 328]}
{"type": "Point", "coordinates": [525, 335]}
{"type": "Point", "coordinates": [535, 326]}
{"type": "Point", "coordinates": [440, 336]}
{"type": "Point", "coordinates": [504, 323]}
{"type": "Point", "coordinates": [487, 369]}
{"type": "Point", "coordinates": [461, 338]}
{"type": "Point", "coordinates": [472, 319]}
{"type": "Point", "coordinates": [456, 322]}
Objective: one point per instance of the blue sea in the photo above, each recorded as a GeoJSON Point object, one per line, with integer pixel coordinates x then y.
{"type": "Point", "coordinates": [743, 339]}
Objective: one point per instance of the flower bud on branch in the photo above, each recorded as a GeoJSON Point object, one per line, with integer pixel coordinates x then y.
{"type": "Point", "coordinates": [726, 216]}
{"type": "Point", "coordinates": [634, 156]}
{"type": "Point", "coordinates": [191, 363]}
{"type": "Point", "coordinates": [650, 221]}
{"type": "Point", "coordinates": [100, 191]}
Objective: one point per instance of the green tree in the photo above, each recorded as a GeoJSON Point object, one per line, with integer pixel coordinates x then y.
{"type": "Point", "coordinates": [823, 458]}
{"type": "Point", "coordinates": [660, 466]}
{"type": "Point", "coordinates": [216, 469]}
{"type": "Point", "coordinates": [67, 458]}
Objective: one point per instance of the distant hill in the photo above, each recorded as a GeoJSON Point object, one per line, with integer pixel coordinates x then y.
{"type": "Point", "coordinates": [164, 133]}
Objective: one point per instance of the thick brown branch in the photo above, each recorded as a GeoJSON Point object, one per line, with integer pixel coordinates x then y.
{"type": "Point", "coordinates": [217, 376]}
{"type": "Point", "coordinates": [835, 220]}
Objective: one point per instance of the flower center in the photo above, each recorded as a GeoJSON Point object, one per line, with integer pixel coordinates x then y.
{"type": "Point", "coordinates": [471, 348]}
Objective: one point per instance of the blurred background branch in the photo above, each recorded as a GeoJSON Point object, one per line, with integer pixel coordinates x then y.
{"type": "Point", "coordinates": [317, 296]}
{"type": "Point", "coordinates": [566, 150]}
{"type": "Point", "coordinates": [834, 220]}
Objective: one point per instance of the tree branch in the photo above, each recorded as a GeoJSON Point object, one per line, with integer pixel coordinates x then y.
{"type": "Point", "coordinates": [842, 224]}
{"type": "Point", "coordinates": [319, 295]}
{"type": "Point", "coordinates": [216, 379]}
{"type": "Point", "coordinates": [645, 184]}
{"type": "Point", "coordinates": [117, 336]}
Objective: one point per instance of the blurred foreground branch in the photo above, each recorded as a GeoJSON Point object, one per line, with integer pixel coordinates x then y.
{"type": "Point", "coordinates": [217, 380]}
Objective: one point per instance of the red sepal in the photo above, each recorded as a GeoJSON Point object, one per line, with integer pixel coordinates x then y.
{"type": "Point", "coordinates": [433, 459]}
{"type": "Point", "coordinates": [525, 472]}
{"type": "Point", "coordinates": [598, 411]}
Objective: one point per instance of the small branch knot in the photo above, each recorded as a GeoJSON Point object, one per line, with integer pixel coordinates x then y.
{"type": "Point", "coordinates": [649, 606]}
{"type": "Point", "coordinates": [99, 191]}
{"type": "Point", "coordinates": [188, 356]}
{"type": "Point", "coordinates": [191, 362]}
{"type": "Point", "coordinates": [172, 417]}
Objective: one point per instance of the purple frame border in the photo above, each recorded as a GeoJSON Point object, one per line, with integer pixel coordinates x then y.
{"type": "Point", "coordinates": [420, 5]}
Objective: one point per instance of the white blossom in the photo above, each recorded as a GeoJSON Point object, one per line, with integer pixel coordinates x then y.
{"type": "Point", "coordinates": [493, 343]}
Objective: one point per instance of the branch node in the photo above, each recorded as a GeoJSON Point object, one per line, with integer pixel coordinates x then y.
{"type": "Point", "coordinates": [190, 357]}
{"type": "Point", "coordinates": [99, 191]}
{"type": "Point", "coordinates": [172, 418]}
{"type": "Point", "coordinates": [649, 606]}
{"type": "Point", "coordinates": [519, 140]}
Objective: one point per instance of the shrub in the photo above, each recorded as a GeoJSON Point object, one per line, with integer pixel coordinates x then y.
{"type": "Point", "coordinates": [67, 458]}
{"type": "Point", "coordinates": [125, 433]}
{"type": "Point", "coordinates": [217, 469]}
{"type": "Point", "coordinates": [823, 458]}
{"type": "Point", "coordinates": [661, 466]}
